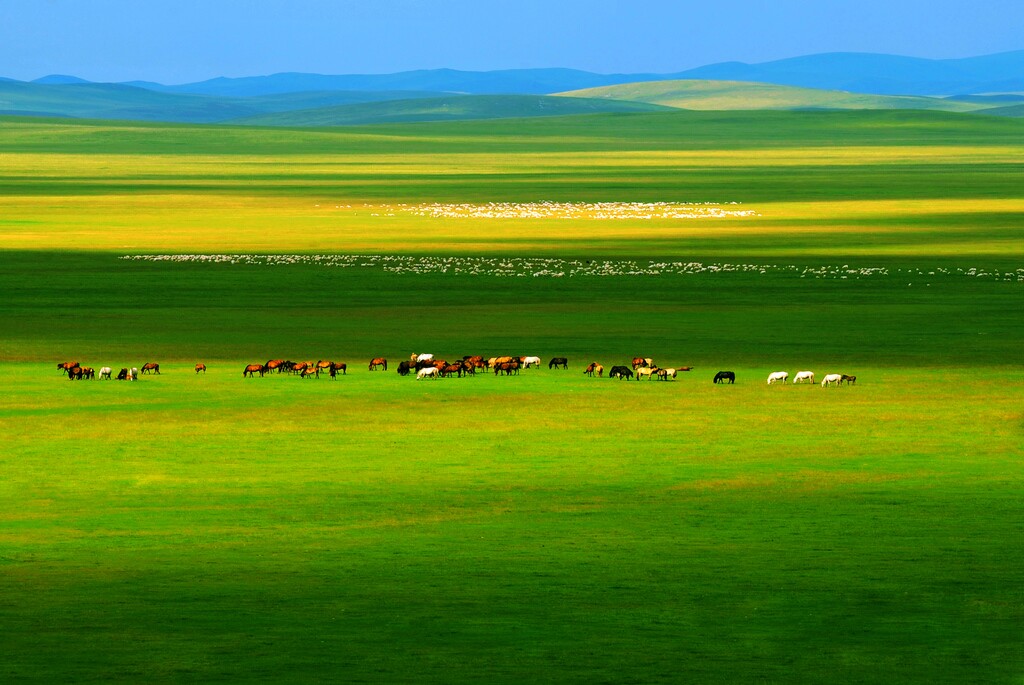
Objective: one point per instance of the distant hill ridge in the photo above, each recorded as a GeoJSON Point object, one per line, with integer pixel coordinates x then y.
{"type": "Point", "coordinates": [449, 108]}
{"type": "Point", "coordinates": [992, 84]}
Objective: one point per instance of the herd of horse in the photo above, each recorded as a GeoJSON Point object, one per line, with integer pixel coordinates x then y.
{"type": "Point", "coordinates": [76, 372]}
{"type": "Point", "coordinates": [832, 379]}
{"type": "Point", "coordinates": [426, 366]}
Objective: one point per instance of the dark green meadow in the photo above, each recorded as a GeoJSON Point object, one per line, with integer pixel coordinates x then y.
{"type": "Point", "coordinates": [549, 526]}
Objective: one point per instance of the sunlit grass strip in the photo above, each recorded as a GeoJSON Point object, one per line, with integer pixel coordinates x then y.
{"type": "Point", "coordinates": [557, 268]}
{"type": "Point", "coordinates": [615, 211]}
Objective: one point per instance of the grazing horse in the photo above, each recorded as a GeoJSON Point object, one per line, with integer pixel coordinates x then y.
{"type": "Point", "coordinates": [378, 361]}
{"type": "Point", "coordinates": [133, 374]}
{"type": "Point", "coordinates": [75, 373]}
{"type": "Point", "coordinates": [648, 371]}
{"type": "Point", "coordinates": [423, 357]}
{"type": "Point", "coordinates": [200, 367]}
{"type": "Point", "coordinates": [558, 361]}
{"type": "Point", "coordinates": [122, 375]}
{"type": "Point", "coordinates": [591, 368]}
{"type": "Point", "coordinates": [251, 370]}
{"type": "Point", "coordinates": [105, 373]}
{"type": "Point", "coordinates": [151, 367]}
{"type": "Point", "coordinates": [778, 376]}
{"type": "Point", "coordinates": [850, 380]}
{"type": "Point", "coordinates": [274, 364]}
{"type": "Point", "coordinates": [530, 361]}
{"type": "Point", "coordinates": [338, 366]}
{"type": "Point", "coordinates": [427, 372]}
{"type": "Point", "coordinates": [310, 371]}
{"type": "Point", "coordinates": [88, 372]}
{"type": "Point", "coordinates": [832, 379]}
{"type": "Point", "coordinates": [804, 377]}
{"type": "Point", "coordinates": [405, 367]}
{"type": "Point", "coordinates": [448, 369]}
{"type": "Point", "coordinates": [723, 376]}
{"type": "Point", "coordinates": [665, 374]}
{"type": "Point", "coordinates": [620, 372]}
{"type": "Point", "coordinates": [299, 367]}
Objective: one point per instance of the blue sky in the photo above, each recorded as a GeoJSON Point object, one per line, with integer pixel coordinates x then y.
{"type": "Point", "coordinates": [191, 40]}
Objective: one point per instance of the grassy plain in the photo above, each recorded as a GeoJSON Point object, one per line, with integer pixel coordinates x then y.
{"type": "Point", "coordinates": [549, 526]}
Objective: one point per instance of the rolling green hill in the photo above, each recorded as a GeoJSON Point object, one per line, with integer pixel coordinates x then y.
{"type": "Point", "coordinates": [1007, 111]}
{"type": "Point", "coordinates": [122, 102]}
{"type": "Point", "coordinates": [449, 108]}
{"type": "Point", "coordinates": [726, 95]}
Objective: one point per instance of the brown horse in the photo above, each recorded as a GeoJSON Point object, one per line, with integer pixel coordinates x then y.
{"type": "Point", "coordinates": [591, 368]}
{"type": "Point", "coordinates": [378, 361]}
{"type": "Point", "coordinates": [274, 364]}
{"type": "Point", "coordinates": [850, 380]}
{"type": "Point", "coordinates": [63, 368]}
{"type": "Point", "coordinates": [449, 369]}
{"type": "Point", "coordinates": [254, 369]}
{"type": "Point", "coordinates": [310, 371]}
{"type": "Point", "coordinates": [200, 367]}
{"type": "Point", "coordinates": [151, 367]}
{"type": "Point", "coordinates": [340, 366]}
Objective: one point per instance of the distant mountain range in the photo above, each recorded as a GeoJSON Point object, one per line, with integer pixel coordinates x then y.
{"type": "Point", "coordinates": [992, 83]}
{"type": "Point", "coordinates": [854, 72]}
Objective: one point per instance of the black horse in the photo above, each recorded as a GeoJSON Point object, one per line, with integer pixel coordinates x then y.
{"type": "Point", "coordinates": [620, 372]}
{"type": "Point", "coordinates": [723, 376]}
{"type": "Point", "coordinates": [558, 361]}
{"type": "Point", "coordinates": [404, 368]}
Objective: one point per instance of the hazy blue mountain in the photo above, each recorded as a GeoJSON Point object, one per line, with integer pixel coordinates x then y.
{"type": "Point", "coordinates": [879, 74]}
{"type": "Point", "coordinates": [59, 79]}
{"type": "Point", "coordinates": [223, 99]}
{"type": "Point", "coordinates": [515, 81]}
{"type": "Point", "coordinates": [447, 108]}
{"type": "Point", "coordinates": [854, 72]}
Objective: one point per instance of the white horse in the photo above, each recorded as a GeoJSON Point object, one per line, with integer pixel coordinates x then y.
{"type": "Point", "coordinates": [667, 373]}
{"type": "Point", "coordinates": [531, 361]}
{"type": "Point", "coordinates": [782, 376]}
{"type": "Point", "coordinates": [428, 372]}
{"type": "Point", "coordinates": [648, 371]}
{"type": "Point", "coordinates": [133, 375]}
{"type": "Point", "coordinates": [803, 376]}
{"type": "Point", "coordinates": [831, 379]}
{"type": "Point", "coordinates": [424, 358]}
{"type": "Point", "coordinates": [105, 372]}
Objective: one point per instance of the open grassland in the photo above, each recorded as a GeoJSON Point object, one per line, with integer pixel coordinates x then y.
{"type": "Point", "coordinates": [548, 526]}
{"type": "Point", "coordinates": [377, 528]}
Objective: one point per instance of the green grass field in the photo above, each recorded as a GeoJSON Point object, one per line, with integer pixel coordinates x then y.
{"type": "Point", "coordinates": [548, 526]}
